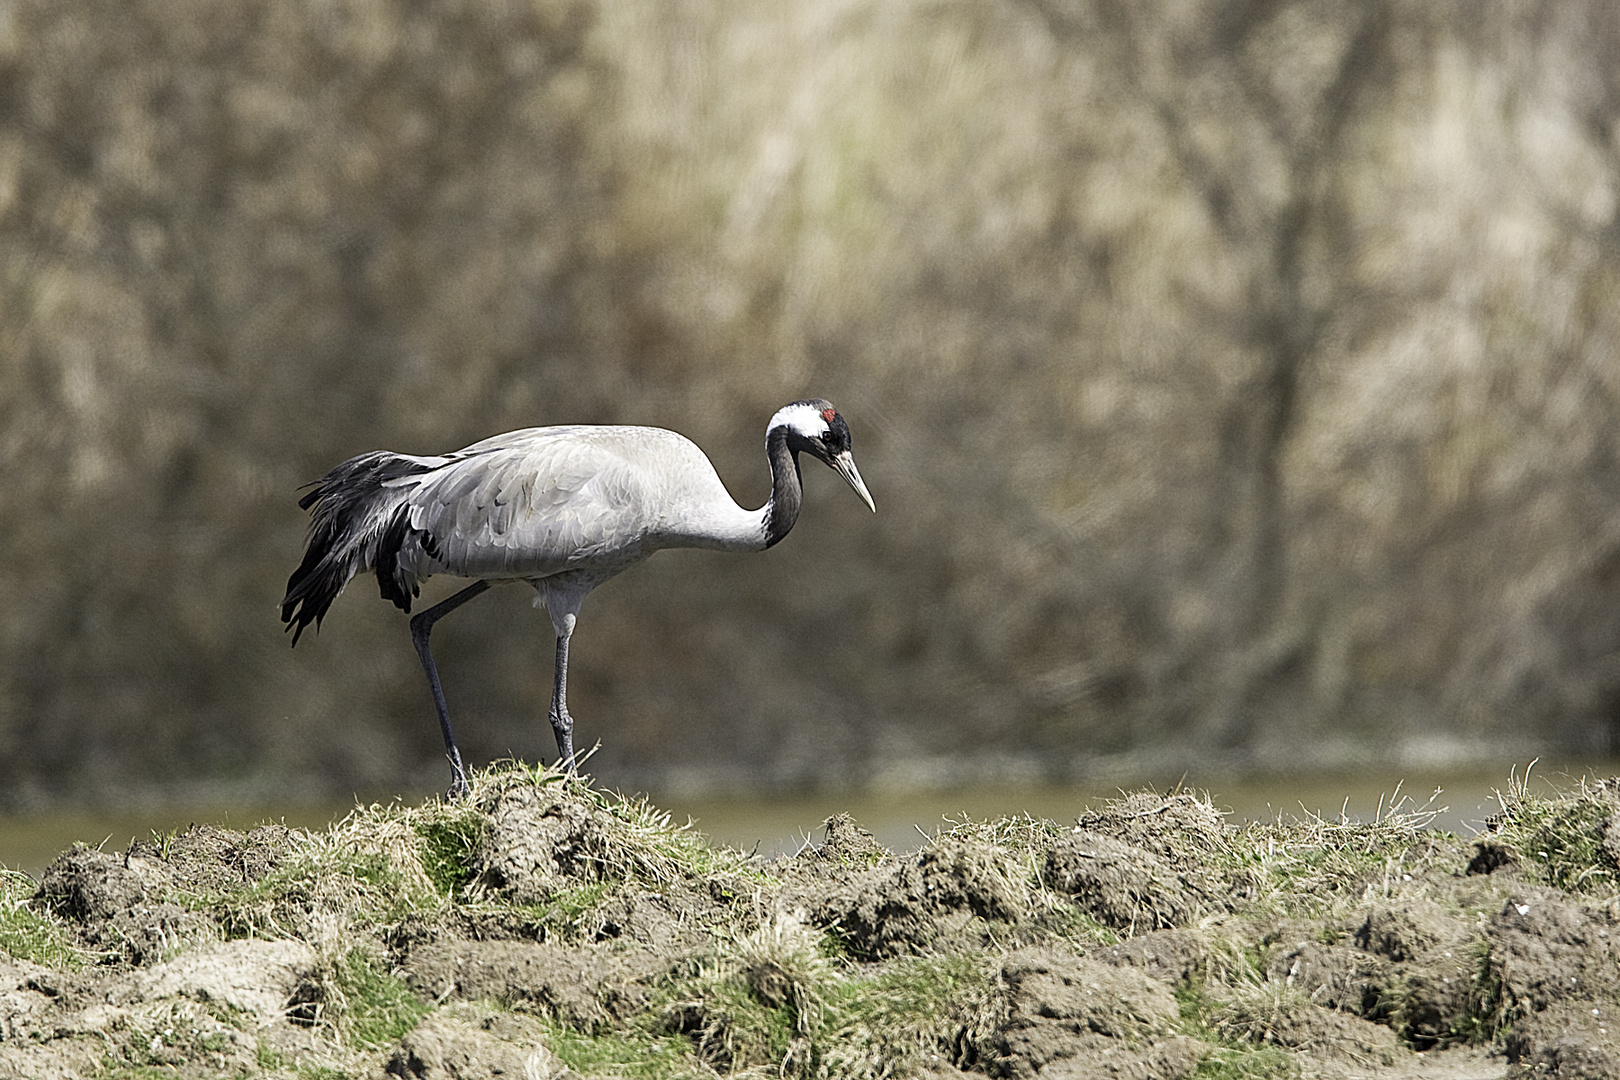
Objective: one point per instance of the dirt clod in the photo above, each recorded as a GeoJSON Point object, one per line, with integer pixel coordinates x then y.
{"type": "Point", "coordinates": [539, 841]}
{"type": "Point", "coordinates": [258, 977]}
{"type": "Point", "coordinates": [1573, 1040]}
{"type": "Point", "coordinates": [582, 987]}
{"type": "Point", "coordinates": [202, 858]}
{"type": "Point", "coordinates": [90, 886]}
{"type": "Point", "coordinates": [1183, 829]}
{"type": "Point", "coordinates": [1171, 956]}
{"type": "Point", "coordinates": [1119, 884]}
{"type": "Point", "coordinates": [1076, 1012]}
{"type": "Point", "coordinates": [1084, 994]}
{"type": "Point", "coordinates": [1331, 1038]}
{"type": "Point", "coordinates": [109, 897]}
{"type": "Point", "coordinates": [1405, 930]}
{"type": "Point", "coordinates": [1547, 948]}
{"type": "Point", "coordinates": [1076, 1017]}
{"type": "Point", "coordinates": [847, 844]}
{"type": "Point", "coordinates": [1337, 976]}
{"type": "Point", "coordinates": [463, 1042]}
{"type": "Point", "coordinates": [946, 891]}
{"type": "Point", "coordinates": [1489, 857]}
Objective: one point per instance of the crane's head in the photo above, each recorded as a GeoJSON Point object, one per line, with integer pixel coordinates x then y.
{"type": "Point", "coordinates": [814, 427]}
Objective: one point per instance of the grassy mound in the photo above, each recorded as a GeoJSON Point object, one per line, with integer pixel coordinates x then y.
{"type": "Point", "coordinates": [543, 927]}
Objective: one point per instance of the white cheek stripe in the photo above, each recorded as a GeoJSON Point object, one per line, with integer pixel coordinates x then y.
{"type": "Point", "coordinates": [804, 419]}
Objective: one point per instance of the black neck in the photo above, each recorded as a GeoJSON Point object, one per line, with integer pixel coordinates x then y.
{"type": "Point", "coordinates": [787, 492]}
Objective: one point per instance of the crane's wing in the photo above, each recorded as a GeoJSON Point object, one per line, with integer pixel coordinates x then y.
{"type": "Point", "coordinates": [538, 502]}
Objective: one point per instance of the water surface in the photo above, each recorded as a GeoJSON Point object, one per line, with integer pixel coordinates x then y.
{"type": "Point", "coordinates": [1461, 800]}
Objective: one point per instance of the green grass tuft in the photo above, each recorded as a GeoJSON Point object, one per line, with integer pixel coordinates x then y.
{"type": "Point", "coordinates": [29, 935]}
{"type": "Point", "coordinates": [1566, 842]}
{"type": "Point", "coordinates": [908, 1016]}
{"type": "Point", "coordinates": [449, 846]}
{"type": "Point", "coordinates": [370, 1005]}
{"type": "Point", "coordinates": [1230, 1057]}
{"type": "Point", "coordinates": [632, 1055]}
{"type": "Point", "coordinates": [1248, 1063]}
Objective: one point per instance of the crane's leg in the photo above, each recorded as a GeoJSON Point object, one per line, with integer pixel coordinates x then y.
{"type": "Point", "coordinates": [421, 627]}
{"type": "Point", "coordinates": [561, 723]}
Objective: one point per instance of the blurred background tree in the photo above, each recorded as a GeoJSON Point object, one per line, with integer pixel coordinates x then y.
{"type": "Point", "coordinates": [1237, 381]}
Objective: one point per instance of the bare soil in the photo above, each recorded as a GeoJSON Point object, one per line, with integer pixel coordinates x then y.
{"type": "Point", "coordinates": [544, 929]}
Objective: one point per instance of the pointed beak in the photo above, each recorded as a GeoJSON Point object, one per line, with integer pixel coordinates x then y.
{"type": "Point", "coordinates": [845, 464]}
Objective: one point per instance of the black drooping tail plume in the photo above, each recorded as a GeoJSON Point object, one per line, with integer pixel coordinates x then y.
{"type": "Point", "coordinates": [357, 524]}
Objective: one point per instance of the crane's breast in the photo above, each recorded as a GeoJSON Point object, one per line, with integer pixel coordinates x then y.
{"type": "Point", "coordinates": [548, 500]}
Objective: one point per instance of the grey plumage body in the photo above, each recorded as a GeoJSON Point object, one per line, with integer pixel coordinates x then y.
{"type": "Point", "coordinates": [548, 501]}
{"type": "Point", "coordinates": [562, 508]}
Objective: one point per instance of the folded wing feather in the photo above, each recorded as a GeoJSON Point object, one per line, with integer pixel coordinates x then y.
{"type": "Point", "coordinates": [538, 502]}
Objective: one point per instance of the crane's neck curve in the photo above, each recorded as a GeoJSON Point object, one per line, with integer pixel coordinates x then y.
{"type": "Point", "coordinates": [710, 518]}
{"type": "Point", "coordinates": [787, 490]}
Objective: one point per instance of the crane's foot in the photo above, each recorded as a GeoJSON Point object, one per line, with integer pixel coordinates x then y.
{"type": "Point", "coordinates": [563, 726]}
{"type": "Point", "coordinates": [459, 788]}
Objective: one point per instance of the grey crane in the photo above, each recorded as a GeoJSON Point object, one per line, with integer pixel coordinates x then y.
{"type": "Point", "coordinates": [562, 508]}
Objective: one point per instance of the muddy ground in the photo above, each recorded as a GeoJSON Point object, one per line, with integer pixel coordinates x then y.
{"type": "Point", "coordinates": [545, 928]}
